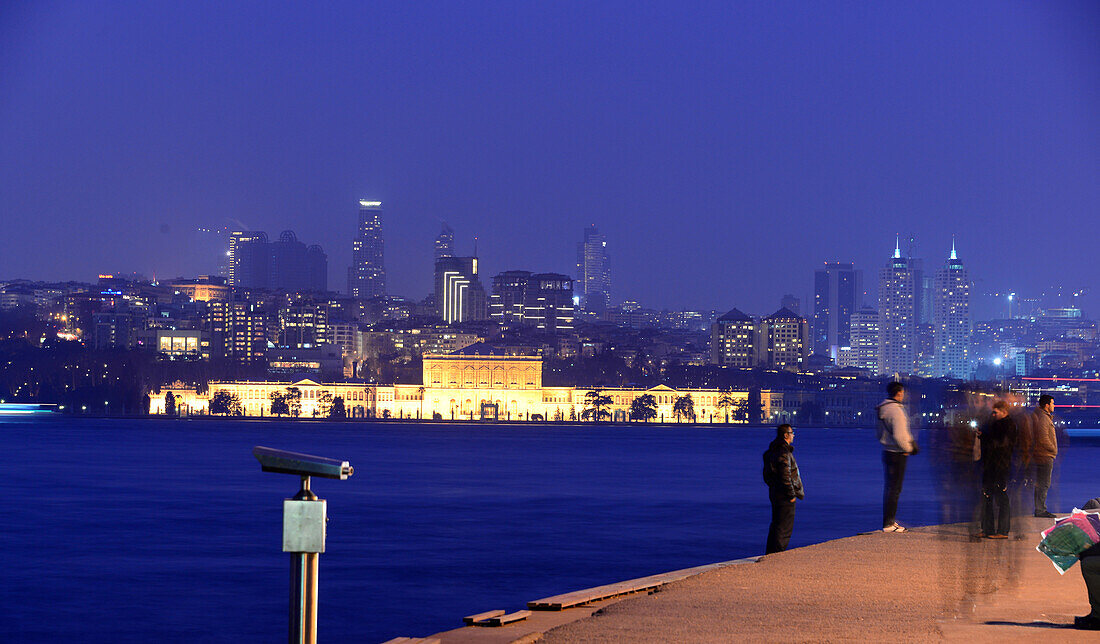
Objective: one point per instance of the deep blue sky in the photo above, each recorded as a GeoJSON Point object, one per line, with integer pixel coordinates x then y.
{"type": "Point", "coordinates": [726, 149]}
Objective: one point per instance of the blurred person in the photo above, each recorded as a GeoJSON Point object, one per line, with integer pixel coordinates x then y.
{"type": "Point", "coordinates": [998, 442]}
{"type": "Point", "coordinates": [1090, 570]}
{"type": "Point", "coordinates": [1042, 449]}
{"type": "Point", "coordinates": [784, 487]}
{"type": "Point", "coordinates": [897, 444]}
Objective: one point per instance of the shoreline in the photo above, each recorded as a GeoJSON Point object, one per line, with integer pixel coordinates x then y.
{"type": "Point", "coordinates": [932, 583]}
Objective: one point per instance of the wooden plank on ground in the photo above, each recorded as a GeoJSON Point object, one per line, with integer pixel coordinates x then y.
{"type": "Point", "coordinates": [482, 616]}
{"type": "Point", "coordinates": [511, 618]}
{"type": "Point", "coordinates": [588, 595]}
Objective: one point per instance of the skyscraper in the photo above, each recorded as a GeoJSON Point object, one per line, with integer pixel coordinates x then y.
{"type": "Point", "coordinates": [367, 273]}
{"type": "Point", "coordinates": [951, 318]}
{"type": "Point", "coordinates": [593, 271]}
{"type": "Point", "coordinates": [838, 292]}
{"type": "Point", "coordinates": [458, 291]}
{"type": "Point", "coordinates": [863, 352]}
{"type": "Point", "coordinates": [733, 340]}
{"type": "Point", "coordinates": [786, 337]}
{"type": "Point", "coordinates": [543, 300]}
{"type": "Point", "coordinates": [445, 243]}
{"type": "Point", "coordinates": [898, 285]}
{"type": "Point", "coordinates": [249, 259]}
{"type": "Point", "coordinates": [296, 267]}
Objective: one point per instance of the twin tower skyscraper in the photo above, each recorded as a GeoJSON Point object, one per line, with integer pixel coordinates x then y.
{"type": "Point", "coordinates": [922, 325]}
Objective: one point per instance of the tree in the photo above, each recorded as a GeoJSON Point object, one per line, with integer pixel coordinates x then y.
{"type": "Point", "coordinates": [294, 401]}
{"type": "Point", "coordinates": [225, 403]}
{"type": "Point", "coordinates": [278, 403]}
{"type": "Point", "coordinates": [572, 413]}
{"type": "Point", "coordinates": [726, 401]}
{"type": "Point", "coordinates": [324, 403]}
{"type": "Point", "coordinates": [741, 410]}
{"type": "Point", "coordinates": [684, 407]}
{"type": "Point", "coordinates": [169, 404]}
{"type": "Point", "coordinates": [337, 409]}
{"type": "Point", "coordinates": [643, 408]}
{"type": "Point", "coordinates": [595, 404]}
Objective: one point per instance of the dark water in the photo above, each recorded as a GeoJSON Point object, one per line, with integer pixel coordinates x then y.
{"type": "Point", "coordinates": [122, 531]}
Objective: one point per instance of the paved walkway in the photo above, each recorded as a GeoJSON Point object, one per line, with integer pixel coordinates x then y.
{"type": "Point", "coordinates": [929, 584]}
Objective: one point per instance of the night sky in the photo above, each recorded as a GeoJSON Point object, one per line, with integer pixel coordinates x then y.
{"type": "Point", "coordinates": [726, 149]}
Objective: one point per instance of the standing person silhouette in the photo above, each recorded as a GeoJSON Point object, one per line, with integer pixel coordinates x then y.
{"type": "Point", "coordinates": [897, 444]}
{"type": "Point", "coordinates": [784, 487]}
{"type": "Point", "coordinates": [998, 443]}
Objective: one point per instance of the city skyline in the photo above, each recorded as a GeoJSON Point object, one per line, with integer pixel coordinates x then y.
{"type": "Point", "coordinates": [779, 139]}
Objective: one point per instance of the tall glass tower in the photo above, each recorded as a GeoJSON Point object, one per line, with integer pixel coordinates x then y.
{"type": "Point", "coordinates": [898, 284]}
{"type": "Point", "coordinates": [445, 243]}
{"type": "Point", "coordinates": [838, 293]}
{"type": "Point", "coordinates": [593, 271]}
{"type": "Point", "coordinates": [951, 318]}
{"type": "Point", "coordinates": [367, 273]}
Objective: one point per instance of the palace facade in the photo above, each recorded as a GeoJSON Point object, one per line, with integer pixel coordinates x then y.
{"type": "Point", "coordinates": [462, 387]}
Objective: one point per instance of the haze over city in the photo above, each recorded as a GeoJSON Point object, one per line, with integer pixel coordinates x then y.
{"type": "Point", "coordinates": [725, 153]}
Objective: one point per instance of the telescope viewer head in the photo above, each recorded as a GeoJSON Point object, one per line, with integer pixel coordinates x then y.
{"type": "Point", "coordinates": [283, 462]}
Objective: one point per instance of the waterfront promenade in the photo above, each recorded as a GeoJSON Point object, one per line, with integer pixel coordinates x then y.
{"type": "Point", "coordinates": [930, 584]}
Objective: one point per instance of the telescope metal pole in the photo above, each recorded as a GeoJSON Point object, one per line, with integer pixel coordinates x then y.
{"type": "Point", "coordinates": [303, 586]}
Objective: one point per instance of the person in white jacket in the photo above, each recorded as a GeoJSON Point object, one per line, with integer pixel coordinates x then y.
{"type": "Point", "coordinates": [897, 444]}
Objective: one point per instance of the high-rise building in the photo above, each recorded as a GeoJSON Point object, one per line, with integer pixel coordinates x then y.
{"type": "Point", "coordinates": [445, 243]}
{"type": "Point", "coordinates": [594, 271]}
{"type": "Point", "coordinates": [296, 267]}
{"type": "Point", "coordinates": [787, 340]}
{"type": "Point", "coordinates": [303, 324]}
{"type": "Point", "coordinates": [733, 341]}
{"type": "Point", "coordinates": [458, 291]}
{"type": "Point", "coordinates": [249, 259]}
{"type": "Point", "coordinates": [838, 292]}
{"type": "Point", "coordinates": [864, 340]}
{"type": "Point", "coordinates": [791, 303]}
{"type": "Point", "coordinates": [238, 331]}
{"type": "Point", "coordinates": [367, 273]}
{"type": "Point", "coordinates": [898, 306]}
{"type": "Point", "coordinates": [951, 318]}
{"type": "Point", "coordinates": [541, 300]}
{"type": "Point", "coordinates": [778, 341]}
{"type": "Point", "coordinates": [509, 300]}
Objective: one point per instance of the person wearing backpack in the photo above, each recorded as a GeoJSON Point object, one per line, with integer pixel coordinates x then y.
{"type": "Point", "coordinates": [897, 444]}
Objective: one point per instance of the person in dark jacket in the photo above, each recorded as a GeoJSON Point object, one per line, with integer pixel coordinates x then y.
{"type": "Point", "coordinates": [998, 443]}
{"type": "Point", "coordinates": [784, 487]}
{"type": "Point", "coordinates": [1090, 570]}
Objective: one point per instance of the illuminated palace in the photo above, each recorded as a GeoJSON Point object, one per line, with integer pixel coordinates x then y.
{"type": "Point", "coordinates": [463, 387]}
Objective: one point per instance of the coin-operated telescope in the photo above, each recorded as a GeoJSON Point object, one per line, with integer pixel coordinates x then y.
{"type": "Point", "coordinates": [304, 527]}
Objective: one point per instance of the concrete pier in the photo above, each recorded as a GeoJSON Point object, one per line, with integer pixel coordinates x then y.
{"type": "Point", "coordinates": [929, 584]}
